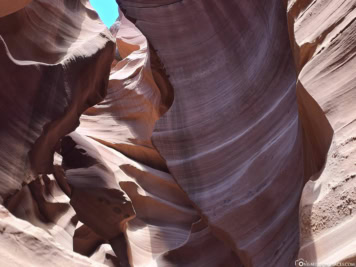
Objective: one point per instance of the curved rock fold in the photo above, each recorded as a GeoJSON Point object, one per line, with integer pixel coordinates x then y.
{"type": "Point", "coordinates": [190, 133]}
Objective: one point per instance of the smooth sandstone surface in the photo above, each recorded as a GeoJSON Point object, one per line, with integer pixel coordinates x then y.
{"type": "Point", "coordinates": [56, 56]}
{"type": "Point", "coordinates": [23, 244]}
{"type": "Point", "coordinates": [120, 129]}
{"type": "Point", "coordinates": [192, 133]}
{"type": "Point", "coordinates": [8, 7]}
{"type": "Point", "coordinates": [231, 138]}
{"type": "Point", "coordinates": [323, 41]}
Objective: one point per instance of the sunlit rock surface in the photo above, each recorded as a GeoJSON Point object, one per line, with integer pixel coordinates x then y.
{"type": "Point", "coordinates": [192, 133]}
{"type": "Point", "coordinates": [120, 128]}
{"type": "Point", "coordinates": [323, 39]}
{"type": "Point", "coordinates": [23, 244]}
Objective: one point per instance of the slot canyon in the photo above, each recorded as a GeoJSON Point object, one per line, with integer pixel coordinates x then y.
{"type": "Point", "coordinates": [190, 133]}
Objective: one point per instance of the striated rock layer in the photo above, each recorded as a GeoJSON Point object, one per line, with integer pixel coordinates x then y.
{"type": "Point", "coordinates": [187, 146]}
{"type": "Point", "coordinates": [322, 35]}
{"type": "Point", "coordinates": [231, 138]}
{"type": "Point", "coordinates": [57, 56]}
{"type": "Point", "coordinates": [109, 195]}
{"type": "Point", "coordinates": [55, 61]}
{"type": "Point", "coordinates": [165, 225]}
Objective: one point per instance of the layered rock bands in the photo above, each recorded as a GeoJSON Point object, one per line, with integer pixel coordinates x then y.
{"type": "Point", "coordinates": [192, 133]}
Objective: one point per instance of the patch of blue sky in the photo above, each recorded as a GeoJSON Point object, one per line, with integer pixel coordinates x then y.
{"type": "Point", "coordinates": [107, 9]}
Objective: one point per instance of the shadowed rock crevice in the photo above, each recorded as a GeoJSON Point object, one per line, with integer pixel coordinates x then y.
{"type": "Point", "coordinates": [317, 133]}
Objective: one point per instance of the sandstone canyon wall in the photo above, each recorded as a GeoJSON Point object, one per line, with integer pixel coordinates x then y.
{"type": "Point", "coordinates": [192, 133]}
{"type": "Point", "coordinates": [231, 138]}
{"type": "Point", "coordinates": [322, 37]}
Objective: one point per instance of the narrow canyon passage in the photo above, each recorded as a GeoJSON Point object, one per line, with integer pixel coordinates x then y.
{"type": "Point", "coordinates": [189, 133]}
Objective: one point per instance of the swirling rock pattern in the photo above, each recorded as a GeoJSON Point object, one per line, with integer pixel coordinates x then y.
{"type": "Point", "coordinates": [120, 128]}
{"type": "Point", "coordinates": [57, 56]}
{"type": "Point", "coordinates": [231, 138]}
{"type": "Point", "coordinates": [323, 40]}
{"type": "Point", "coordinates": [142, 217]}
{"type": "Point", "coordinates": [196, 135]}
{"type": "Point", "coordinates": [45, 47]}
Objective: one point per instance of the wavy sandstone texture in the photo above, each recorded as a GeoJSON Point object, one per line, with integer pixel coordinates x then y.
{"type": "Point", "coordinates": [120, 128]}
{"type": "Point", "coordinates": [323, 36]}
{"type": "Point", "coordinates": [57, 54]}
{"type": "Point", "coordinates": [187, 146]}
{"type": "Point", "coordinates": [231, 138]}
{"type": "Point", "coordinates": [55, 61]}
